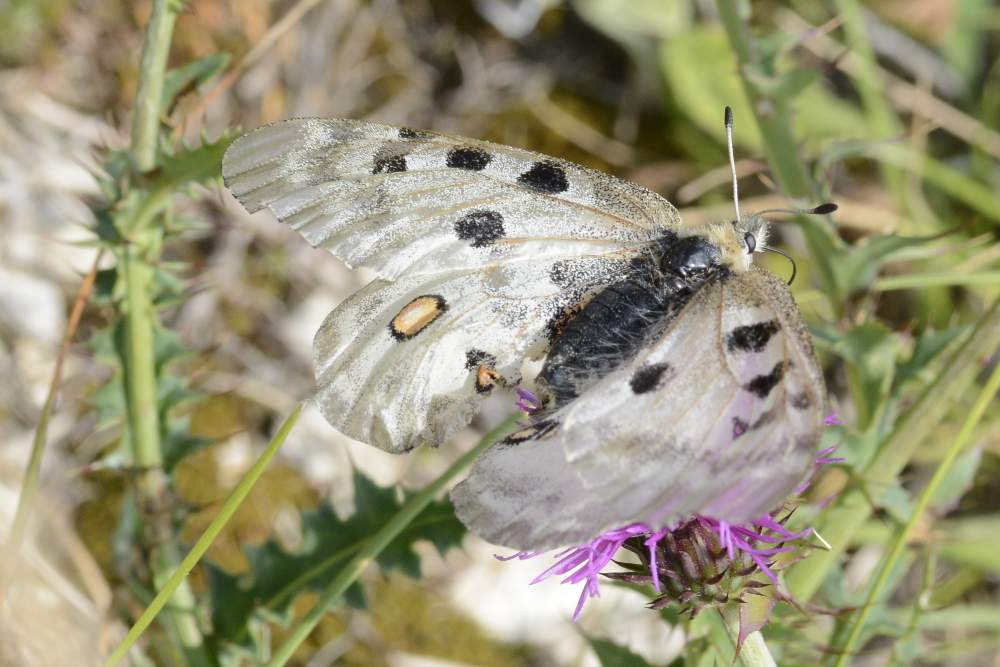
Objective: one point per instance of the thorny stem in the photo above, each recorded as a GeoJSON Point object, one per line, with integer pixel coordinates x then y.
{"type": "Point", "coordinates": [153, 72]}
{"type": "Point", "coordinates": [136, 256]}
{"type": "Point", "coordinates": [889, 562]}
{"type": "Point", "coordinates": [333, 593]}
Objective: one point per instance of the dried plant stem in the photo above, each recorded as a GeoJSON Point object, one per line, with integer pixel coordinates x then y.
{"type": "Point", "coordinates": [178, 575]}
{"type": "Point", "coordinates": [891, 559]}
{"type": "Point", "coordinates": [334, 591]}
{"type": "Point", "coordinates": [853, 508]}
{"type": "Point", "coordinates": [29, 487]}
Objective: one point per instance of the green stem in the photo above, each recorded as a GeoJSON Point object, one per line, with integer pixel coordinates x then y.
{"type": "Point", "coordinates": [137, 256]}
{"type": "Point", "coordinates": [921, 280]}
{"type": "Point", "coordinates": [853, 508]}
{"type": "Point", "coordinates": [140, 371]}
{"type": "Point", "coordinates": [774, 120]}
{"type": "Point", "coordinates": [334, 591]}
{"type": "Point", "coordinates": [178, 575]}
{"type": "Point", "coordinates": [899, 543]}
{"type": "Point", "coordinates": [149, 96]}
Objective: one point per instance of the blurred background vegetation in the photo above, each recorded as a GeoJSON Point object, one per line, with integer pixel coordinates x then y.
{"type": "Point", "coordinates": [889, 107]}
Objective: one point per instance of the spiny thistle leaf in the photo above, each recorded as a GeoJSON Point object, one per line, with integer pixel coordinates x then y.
{"type": "Point", "coordinates": [193, 165]}
{"type": "Point", "coordinates": [190, 76]}
{"type": "Point", "coordinates": [277, 576]}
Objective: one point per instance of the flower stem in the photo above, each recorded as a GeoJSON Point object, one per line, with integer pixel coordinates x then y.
{"type": "Point", "coordinates": [375, 544]}
{"type": "Point", "coordinates": [754, 652]}
{"type": "Point", "coordinates": [899, 543]}
{"type": "Point", "coordinates": [852, 509]}
{"type": "Point", "coordinates": [178, 575]}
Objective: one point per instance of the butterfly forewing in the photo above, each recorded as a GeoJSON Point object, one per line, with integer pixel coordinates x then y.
{"type": "Point", "coordinates": [699, 422]}
{"type": "Point", "coordinates": [482, 249]}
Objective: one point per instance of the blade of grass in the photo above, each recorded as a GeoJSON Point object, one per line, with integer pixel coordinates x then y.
{"type": "Point", "coordinates": [839, 522]}
{"type": "Point", "coordinates": [919, 280]}
{"type": "Point", "coordinates": [229, 508]}
{"type": "Point", "coordinates": [374, 545]}
{"type": "Point", "coordinates": [899, 543]}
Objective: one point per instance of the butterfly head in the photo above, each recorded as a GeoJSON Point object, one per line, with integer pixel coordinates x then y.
{"type": "Point", "coordinates": [734, 242]}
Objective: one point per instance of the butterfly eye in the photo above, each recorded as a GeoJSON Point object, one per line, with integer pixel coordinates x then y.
{"type": "Point", "coordinates": [751, 242]}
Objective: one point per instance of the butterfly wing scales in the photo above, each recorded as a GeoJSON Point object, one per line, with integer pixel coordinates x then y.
{"type": "Point", "coordinates": [702, 435]}
{"type": "Point", "coordinates": [505, 238]}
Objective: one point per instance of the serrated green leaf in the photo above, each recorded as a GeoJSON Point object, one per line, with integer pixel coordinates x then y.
{"type": "Point", "coordinates": [193, 165]}
{"type": "Point", "coordinates": [612, 655]}
{"type": "Point", "coordinates": [190, 76]}
{"type": "Point", "coordinates": [278, 576]}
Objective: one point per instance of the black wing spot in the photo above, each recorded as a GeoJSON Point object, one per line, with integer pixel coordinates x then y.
{"type": "Point", "coordinates": [535, 431]}
{"type": "Point", "coordinates": [410, 133]}
{"type": "Point", "coordinates": [739, 427]}
{"type": "Point", "coordinates": [474, 357]}
{"type": "Point", "coordinates": [390, 164]}
{"type": "Point", "coordinates": [546, 176]}
{"type": "Point", "coordinates": [481, 227]}
{"type": "Point", "coordinates": [751, 337]}
{"type": "Point", "coordinates": [649, 377]}
{"type": "Point", "coordinates": [762, 385]}
{"type": "Point", "coordinates": [467, 157]}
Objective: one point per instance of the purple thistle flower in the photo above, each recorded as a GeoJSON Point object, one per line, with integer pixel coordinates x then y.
{"type": "Point", "coordinates": [754, 542]}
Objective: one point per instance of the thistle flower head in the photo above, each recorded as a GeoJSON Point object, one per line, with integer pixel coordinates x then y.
{"type": "Point", "coordinates": [696, 563]}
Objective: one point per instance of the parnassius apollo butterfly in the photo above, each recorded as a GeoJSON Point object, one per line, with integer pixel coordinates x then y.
{"type": "Point", "coordinates": [678, 378]}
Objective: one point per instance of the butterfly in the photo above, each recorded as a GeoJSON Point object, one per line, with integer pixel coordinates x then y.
{"type": "Point", "coordinates": [678, 377]}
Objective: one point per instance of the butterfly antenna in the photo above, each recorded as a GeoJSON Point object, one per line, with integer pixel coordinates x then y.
{"type": "Point", "coordinates": [795, 269]}
{"type": "Point", "coordinates": [732, 160]}
{"type": "Point", "coordinates": [823, 209]}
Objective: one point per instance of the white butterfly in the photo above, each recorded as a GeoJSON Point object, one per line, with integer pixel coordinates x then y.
{"type": "Point", "coordinates": [678, 377]}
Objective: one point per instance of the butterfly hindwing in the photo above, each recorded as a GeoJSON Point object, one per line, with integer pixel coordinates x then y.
{"type": "Point", "coordinates": [700, 421]}
{"type": "Point", "coordinates": [404, 362]}
{"type": "Point", "coordinates": [480, 248]}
